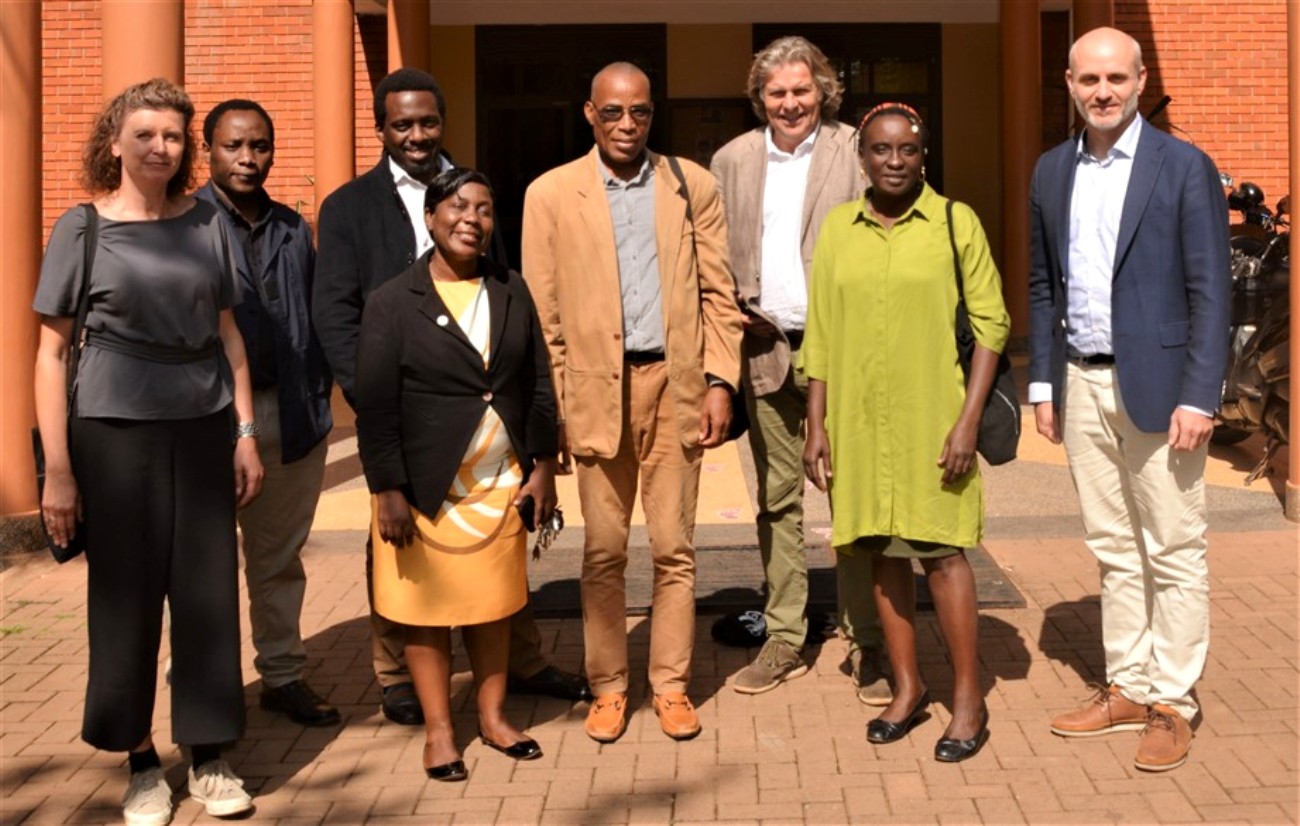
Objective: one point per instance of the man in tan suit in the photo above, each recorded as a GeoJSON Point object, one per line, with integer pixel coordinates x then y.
{"type": "Point", "coordinates": [627, 263]}
{"type": "Point", "coordinates": [778, 183]}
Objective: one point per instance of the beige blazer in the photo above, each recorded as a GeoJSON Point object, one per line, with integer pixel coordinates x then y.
{"type": "Point", "coordinates": [570, 264]}
{"type": "Point", "coordinates": [834, 176]}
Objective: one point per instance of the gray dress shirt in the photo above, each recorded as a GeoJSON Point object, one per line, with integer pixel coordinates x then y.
{"type": "Point", "coordinates": [632, 210]}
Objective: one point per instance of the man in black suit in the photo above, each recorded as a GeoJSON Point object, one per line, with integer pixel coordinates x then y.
{"type": "Point", "coordinates": [372, 229]}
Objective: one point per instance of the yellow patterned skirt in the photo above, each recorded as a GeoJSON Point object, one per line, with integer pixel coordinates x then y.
{"type": "Point", "coordinates": [467, 564]}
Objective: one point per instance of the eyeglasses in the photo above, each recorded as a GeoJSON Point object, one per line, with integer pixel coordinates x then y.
{"type": "Point", "coordinates": [614, 114]}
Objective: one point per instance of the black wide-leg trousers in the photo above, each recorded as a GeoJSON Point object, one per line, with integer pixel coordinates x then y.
{"type": "Point", "coordinates": [159, 505]}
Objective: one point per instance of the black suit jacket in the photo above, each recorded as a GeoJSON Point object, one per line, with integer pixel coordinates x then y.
{"type": "Point", "coordinates": [422, 389]}
{"type": "Point", "coordinates": [365, 239]}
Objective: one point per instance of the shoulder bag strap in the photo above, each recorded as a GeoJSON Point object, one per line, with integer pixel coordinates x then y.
{"type": "Point", "coordinates": [90, 241]}
{"type": "Point", "coordinates": [686, 192]}
{"type": "Point", "coordinates": [956, 256]}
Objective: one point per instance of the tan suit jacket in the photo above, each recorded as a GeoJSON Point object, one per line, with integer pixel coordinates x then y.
{"type": "Point", "coordinates": [834, 176]}
{"type": "Point", "coordinates": [570, 264]}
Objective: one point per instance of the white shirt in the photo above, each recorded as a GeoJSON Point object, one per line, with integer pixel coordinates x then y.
{"type": "Point", "coordinates": [412, 192]}
{"type": "Point", "coordinates": [784, 294]}
{"type": "Point", "coordinates": [1096, 207]}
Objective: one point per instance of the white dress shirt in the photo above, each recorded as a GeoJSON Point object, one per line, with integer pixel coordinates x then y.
{"type": "Point", "coordinates": [412, 195]}
{"type": "Point", "coordinates": [1096, 207]}
{"type": "Point", "coordinates": [784, 286]}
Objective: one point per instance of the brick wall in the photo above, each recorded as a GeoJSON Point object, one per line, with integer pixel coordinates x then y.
{"type": "Point", "coordinates": [233, 48]}
{"type": "Point", "coordinates": [1225, 69]}
{"type": "Point", "coordinates": [1224, 65]}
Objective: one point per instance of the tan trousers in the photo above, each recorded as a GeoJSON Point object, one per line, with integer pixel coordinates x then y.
{"type": "Point", "coordinates": [1144, 514]}
{"type": "Point", "coordinates": [275, 526]}
{"type": "Point", "coordinates": [651, 449]}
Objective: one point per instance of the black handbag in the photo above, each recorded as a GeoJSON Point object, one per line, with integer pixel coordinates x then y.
{"type": "Point", "coordinates": [999, 433]}
{"type": "Point", "coordinates": [77, 544]}
{"type": "Point", "coordinates": [739, 413]}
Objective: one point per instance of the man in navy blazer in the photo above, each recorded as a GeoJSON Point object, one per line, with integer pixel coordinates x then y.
{"type": "Point", "coordinates": [1129, 297]}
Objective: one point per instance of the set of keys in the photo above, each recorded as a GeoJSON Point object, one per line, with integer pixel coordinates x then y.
{"type": "Point", "coordinates": [547, 530]}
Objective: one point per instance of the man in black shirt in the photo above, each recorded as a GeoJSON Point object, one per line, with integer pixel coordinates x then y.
{"type": "Point", "coordinates": [274, 261]}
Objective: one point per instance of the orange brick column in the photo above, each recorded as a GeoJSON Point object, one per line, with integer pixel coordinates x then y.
{"type": "Point", "coordinates": [408, 34]}
{"type": "Point", "coordinates": [334, 95]}
{"type": "Point", "coordinates": [1293, 117]}
{"type": "Point", "coordinates": [1022, 126]}
{"type": "Point", "coordinates": [1092, 14]}
{"type": "Point", "coordinates": [20, 238]}
{"type": "Point", "coordinates": [142, 39]}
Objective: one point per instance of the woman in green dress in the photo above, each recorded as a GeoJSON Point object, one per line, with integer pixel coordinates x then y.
{"type": "Point", "coordinates": [890, 410]}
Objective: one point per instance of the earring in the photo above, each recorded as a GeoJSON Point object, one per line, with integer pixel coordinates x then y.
{"type": "Point", "coordinates": [923, 173]}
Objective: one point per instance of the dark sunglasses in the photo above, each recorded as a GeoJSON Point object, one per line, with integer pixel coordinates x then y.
{"type": "Point", "coordinates": [614, 114]}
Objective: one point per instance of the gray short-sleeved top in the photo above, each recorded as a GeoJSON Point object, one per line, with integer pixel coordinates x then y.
{"type": "Point", "coordinates": [157, 291]}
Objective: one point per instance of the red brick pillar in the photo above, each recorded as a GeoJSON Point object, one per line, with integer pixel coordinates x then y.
{"type": "Point", "coordinates": [142, 39]}
{"type": "Point", "coordinates": [1022, 127]}
{"type": "Point", "coordinates": [334, 95]}
{"type": "Point", "coordinates": [1293, 122]}
{"type": "Point", "coordinates": [20, 238]}
{"type": "Point", "coordinates": [408, 34]}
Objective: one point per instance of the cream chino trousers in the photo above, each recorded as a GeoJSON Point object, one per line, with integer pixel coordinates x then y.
{"type": "Point", "coordinates": [1144, 514]}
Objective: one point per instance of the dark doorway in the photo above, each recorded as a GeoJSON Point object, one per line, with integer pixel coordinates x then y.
{"type": "Point", "coordinates": [532, 83]}
{"type": "Point", "coordinates": [880, 62]}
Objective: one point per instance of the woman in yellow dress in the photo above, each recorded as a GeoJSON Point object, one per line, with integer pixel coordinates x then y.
{"type": "Point", "coordinates": [456, 428]}
{"type": "Point", "coordinates": [891, 412]}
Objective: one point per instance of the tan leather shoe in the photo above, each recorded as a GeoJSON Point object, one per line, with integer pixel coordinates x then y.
{"type": "Point", "coordinates": [607, 718]}
{"type": "Point", "coordinates": [1105, 712]}
{"type": "Point", "coordinates": [1164, 742]}
{"type": "Point", "coordinates": [677, 716]}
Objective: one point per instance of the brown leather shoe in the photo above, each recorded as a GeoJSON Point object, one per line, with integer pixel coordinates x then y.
{"type": "Point", "coordinates": [607, 718]}
{"type": "Point", "coordinates": [677, 716]}
{"type": "Point", "coordinates": [1165, 741]}
{"type": "Point", "coordinates": [1105, 712]}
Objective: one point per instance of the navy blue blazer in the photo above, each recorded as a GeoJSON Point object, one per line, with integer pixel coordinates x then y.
{"type": "Point", "coordinates": [1172, 288]}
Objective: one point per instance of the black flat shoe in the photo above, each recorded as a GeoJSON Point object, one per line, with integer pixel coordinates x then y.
{"type": "Point", "coordinates": [448, 772]}
{"type": "Point", "coordinates": [883, 731]}
{"type": "Point", "coordinates": [552, 682]}
{"type": "Point", "coordinates": [948, 750]}
{"type": "Point", "coordinates": [523, 750]}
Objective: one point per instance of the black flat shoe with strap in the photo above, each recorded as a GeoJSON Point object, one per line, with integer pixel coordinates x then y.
{"type": "Point", "coordinates": [949, 750]}
{"type": "Point", "coordinates": [883, 731]}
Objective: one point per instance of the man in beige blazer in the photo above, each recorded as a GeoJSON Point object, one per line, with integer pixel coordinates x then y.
{"type": "Point", "coordinates": [638, 308]}
{"type": "Point", "coordinates": [778, 183]}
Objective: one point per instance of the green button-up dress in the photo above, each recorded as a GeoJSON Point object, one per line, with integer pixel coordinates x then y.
{"type": "Point", "coordinates": [881, 318]}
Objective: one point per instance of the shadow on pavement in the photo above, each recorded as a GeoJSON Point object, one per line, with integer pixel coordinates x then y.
{"type": "Point", "coordinates": [1071, 635]}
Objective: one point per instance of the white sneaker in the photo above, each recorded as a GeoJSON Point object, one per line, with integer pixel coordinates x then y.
{"type": "Point", "coordinates": [219, 790]}
{"type": "Point", "coordinates": [148, 800]}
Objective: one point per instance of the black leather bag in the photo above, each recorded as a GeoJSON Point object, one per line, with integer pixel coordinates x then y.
{"type": "Point", "coordinates": [999, 433]}
{"type": "Point", "coordinates": [739, 413]}
{"type": "Point", "coordinates": [77, 544]}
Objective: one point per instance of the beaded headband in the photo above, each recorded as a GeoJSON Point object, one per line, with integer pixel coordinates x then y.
{"type": "Point", "coordinates": [893, 107]}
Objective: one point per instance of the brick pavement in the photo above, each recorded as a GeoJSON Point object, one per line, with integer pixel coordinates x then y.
{"type": "Point", "coordinates": [795, 755]}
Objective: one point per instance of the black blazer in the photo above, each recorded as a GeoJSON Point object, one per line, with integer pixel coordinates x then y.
{"type": "Point", "coordinates": [422, 389]}
{"type": "Point", "coordinates": [365, 240]}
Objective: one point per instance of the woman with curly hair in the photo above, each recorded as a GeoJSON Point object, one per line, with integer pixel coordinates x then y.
{"type": "Point", "coordinates": [157, 449]}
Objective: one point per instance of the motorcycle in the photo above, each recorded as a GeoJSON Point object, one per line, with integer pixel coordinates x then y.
{"type": "Point", "coordinates": [1256, 387]}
